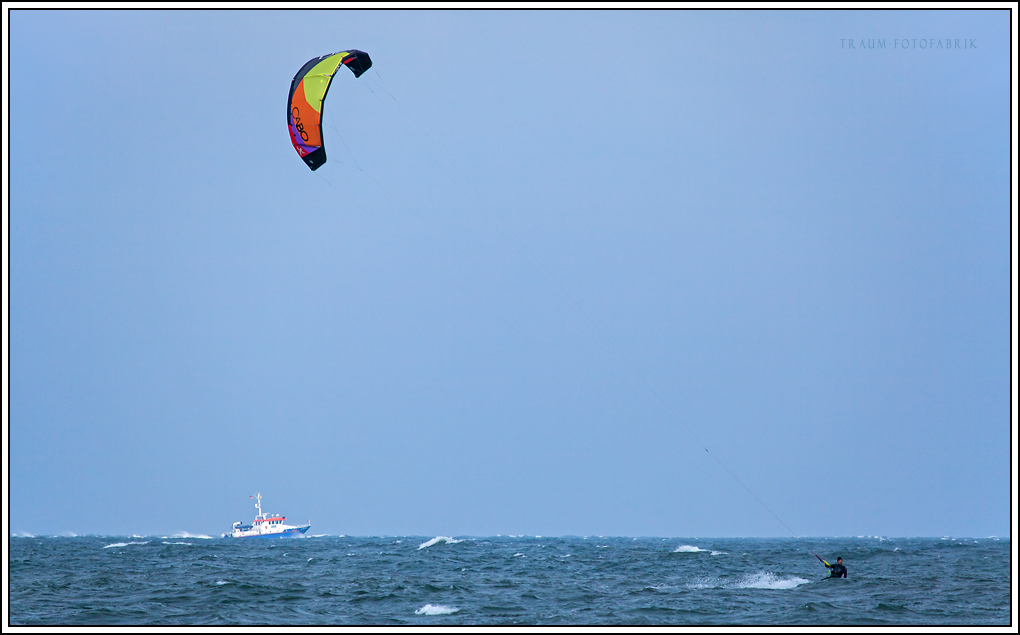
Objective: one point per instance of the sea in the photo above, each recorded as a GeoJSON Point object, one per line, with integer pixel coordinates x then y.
{"type": "Point", "coordinates": [443, 581]}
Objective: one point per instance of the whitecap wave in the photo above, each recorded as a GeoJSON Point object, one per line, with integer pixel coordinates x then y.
{"type": "Point", "coordinates": [768, 580]}
{"type": "Point", "coordinates": [125, 544]}
{"type": "Point", "coordinates": [688, 549]}
{"type": "Point", "coordinates": [761, 580]}
{"type": "Point", "coordinates": [176, 543]}
{"type": "Point", "coordinates": [436, 609]}
{"type": "Point", "coordinates": [185, 534]}
{"type": "Point", "coordinates": [22, 534]}
{"type": "Point", "coordinates": [438, 540]}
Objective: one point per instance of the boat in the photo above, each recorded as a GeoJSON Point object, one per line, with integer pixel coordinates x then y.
{"type": "Point", "coordinates": [266, 525]}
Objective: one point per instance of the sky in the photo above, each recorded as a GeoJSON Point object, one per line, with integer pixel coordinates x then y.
{"type": "Point", "coordinates": [635, 273]}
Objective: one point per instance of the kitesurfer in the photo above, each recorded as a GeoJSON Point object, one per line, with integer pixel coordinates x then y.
{"type": "Point", "coordinates": [836, 570]}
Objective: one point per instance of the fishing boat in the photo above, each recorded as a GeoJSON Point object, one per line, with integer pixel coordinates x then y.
{"type": "Point", "coordinates": [266, 525]}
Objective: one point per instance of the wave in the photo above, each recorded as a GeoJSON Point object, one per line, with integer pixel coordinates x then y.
{"type": "Point", "coordinates": [176, 543]}
{"type": "Point", "coordinates": [760, 580]}
{"type": "Point", "coordinates": [436, 609]}
{"type": "Point", "coordinates": [437, 540]}
{"type": "Point", "coordinates": [659, 588]}
{"type": "Point", "coordinates": [768, 580]}
{"type": "Point", "coordinates": [125, 544]}
{"type": "Point", "coordinates": [185, 534]}
{"type": "Point", "coordinates": [693, 549]}
{"type": "Point", "coordinates": [22, 534]}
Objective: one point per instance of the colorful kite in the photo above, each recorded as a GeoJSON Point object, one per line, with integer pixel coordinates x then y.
{"type": "Point", "coordinates": [307, 94]}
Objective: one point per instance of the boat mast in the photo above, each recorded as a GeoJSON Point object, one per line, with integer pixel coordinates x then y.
{"type": "Point", "coordinates": [258, 504]}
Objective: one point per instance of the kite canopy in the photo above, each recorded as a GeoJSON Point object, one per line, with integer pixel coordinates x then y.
{"type": "Point", "coordinates": [307, 94]}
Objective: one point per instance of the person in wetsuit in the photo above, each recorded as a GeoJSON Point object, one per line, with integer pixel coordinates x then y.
{"type": "Point", "coordinates": [837, 570]}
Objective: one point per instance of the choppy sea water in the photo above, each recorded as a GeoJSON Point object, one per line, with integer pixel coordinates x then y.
{"type": "Point", "coordinates": [506, 580]}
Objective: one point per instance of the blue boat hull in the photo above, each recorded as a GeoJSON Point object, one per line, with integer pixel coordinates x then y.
{"type": "Point", "coordinates": [290, 533]}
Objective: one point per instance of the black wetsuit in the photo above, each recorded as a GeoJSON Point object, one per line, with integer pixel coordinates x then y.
{"type": "Point", "coordinates": [836, 571]}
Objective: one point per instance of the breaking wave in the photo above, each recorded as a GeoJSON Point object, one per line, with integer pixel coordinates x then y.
{"type": "Point", "coordinates": [436, 609]}
{"type": "Point", "coordinates": [760, 580]}
{"type": "Point", "coordinates": [688, 549]}
{"type": "Point", "coordinates": [768, 580]}
{"type": "Point", "coordinates": [125, 544]}
{"type": "Point", "coordinates": [693, 549]}
{"type": "Point", "coordinates": [437, 540]}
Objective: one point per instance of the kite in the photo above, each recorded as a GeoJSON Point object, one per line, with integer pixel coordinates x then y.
{"type": "Point", "coordinates": [307, 95]}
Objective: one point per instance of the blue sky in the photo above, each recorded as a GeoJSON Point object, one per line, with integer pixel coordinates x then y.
{"type": "Point", "coordinates": [553, 256]}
